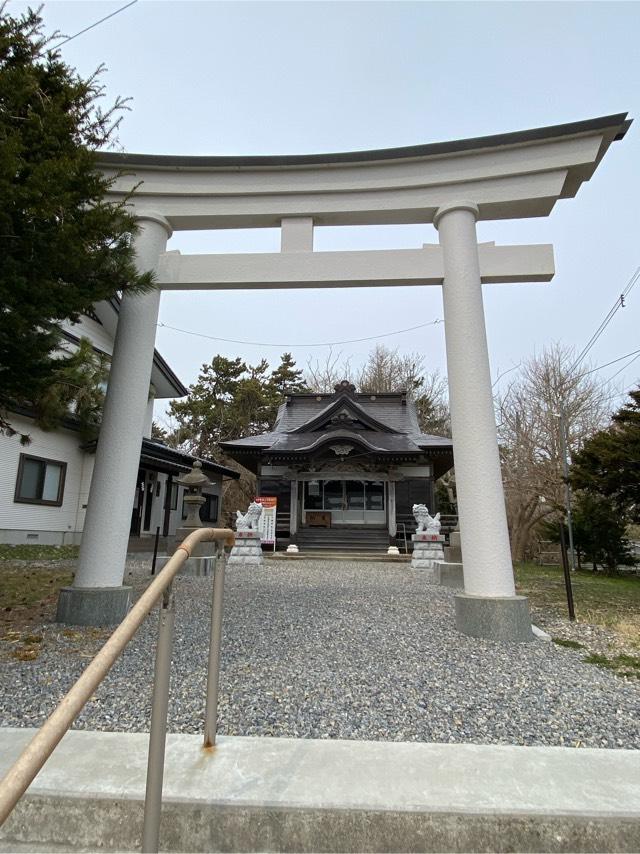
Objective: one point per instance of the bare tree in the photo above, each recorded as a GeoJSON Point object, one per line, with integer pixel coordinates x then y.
{"type": "Point", "coordinates": [323, 376]}
{"type": "Point", "coordinates": [386, 371]}
{"type": "Point", "coordinates": [549, 390]}
{"type": "Point", "coordinates": [432, 403]}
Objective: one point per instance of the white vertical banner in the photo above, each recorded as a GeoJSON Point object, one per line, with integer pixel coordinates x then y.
{"type": "Point", "coordinates": [267, 521]}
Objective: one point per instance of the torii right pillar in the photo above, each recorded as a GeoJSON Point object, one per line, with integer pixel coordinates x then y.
{"type": "Point", "coordinates": [489, 606]}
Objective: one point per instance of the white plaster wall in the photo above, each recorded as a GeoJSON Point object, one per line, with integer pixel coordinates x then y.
{"type": "Point", "coordinates": [148, 419]}
{"type": "Point", "coordinates": [157, 508]}
{"type": "Point", "coordinates": [95, 332]}
{"type": "Point", "coordinates": [50, 524]}
{"type": "Point", "coordinates": [175, 519]}
{"type": "Point", "coordinates": [83, 498]}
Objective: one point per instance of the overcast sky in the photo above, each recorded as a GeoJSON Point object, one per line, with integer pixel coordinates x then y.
{"type": "Point", "coordinates": [302, 77]}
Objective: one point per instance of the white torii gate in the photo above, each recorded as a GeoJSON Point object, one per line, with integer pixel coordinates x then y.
{"type": "Point", "coordinates": [452, 185]}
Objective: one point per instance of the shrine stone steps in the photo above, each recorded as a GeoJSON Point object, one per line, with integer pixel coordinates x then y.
{"type": "Point", "coordinates": [341, 539]}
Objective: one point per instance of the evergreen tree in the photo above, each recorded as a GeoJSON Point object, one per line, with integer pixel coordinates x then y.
{"type": "Point", "coordinates": [231, 400]}
{"type": "Point", "coordinates": [599, 532]}
{"type": "Point", "coordinates": [206, 416]}
{"type": "Point", "coordinates": [63, 246]}
{"type": "Point", "coordinates": [609, 462]}
{"type": "Point", "coordinates": [286, 378]}
{"type": "Point", "coordinates": [77, 392]}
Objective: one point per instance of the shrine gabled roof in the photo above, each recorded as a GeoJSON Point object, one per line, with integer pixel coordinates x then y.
{"type": "Point", "coordinates": [374, 441]}
{"type": "Point", "coordinates": [343, 403]}
{"type": "Point", "coordinates": [389, 426]}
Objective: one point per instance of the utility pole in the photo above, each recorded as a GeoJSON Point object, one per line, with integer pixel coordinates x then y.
{"type": "Point", "coordinates": [567, 488]}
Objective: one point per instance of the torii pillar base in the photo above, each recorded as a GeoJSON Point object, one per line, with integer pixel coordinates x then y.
{"type": "Point", "coordinates": [504, 619]}
{"type": "Point", "coordinates": [93, 606]}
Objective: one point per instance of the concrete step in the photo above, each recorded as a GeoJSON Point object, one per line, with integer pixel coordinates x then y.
{"type": "Point", "coordinates": [353, 556]}
{"type": "Point", "coordinates": [334, 534]}
{"type": "Point", "coordinates": [337, 546]}
{"type": "Point", "coordinates": [281, 794]}
{"type": "Point", "coordinates": [341, 539]}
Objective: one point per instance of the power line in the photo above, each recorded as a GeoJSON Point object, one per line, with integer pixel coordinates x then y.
{"type": "Point", "coordinates": [504, 373]}
{"type": "Point", "coordinates": [323, 344]}
{"type": "Point", "coordinates": [618, 304]}
{"type": "Point", "coordinates": [624, 367]}
{"type": "Point", "coordinates": [101, 21]}
{"type": "Point", "coordinates": [606, 364]}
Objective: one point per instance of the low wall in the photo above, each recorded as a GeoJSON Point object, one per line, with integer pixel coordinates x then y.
{"type": "Point", "coordinates": [279, 794]}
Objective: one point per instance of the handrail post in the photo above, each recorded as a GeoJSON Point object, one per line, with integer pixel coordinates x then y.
{"type": "Point", "coordinates": [158, 732]}
{"type": "Point", "coordinates": [23, 771]}
{"type": "Point", "coordinates": [213, 673]}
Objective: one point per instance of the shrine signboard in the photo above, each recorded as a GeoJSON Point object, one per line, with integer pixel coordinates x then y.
{"type": "Point", "coordinates": [267, 521]}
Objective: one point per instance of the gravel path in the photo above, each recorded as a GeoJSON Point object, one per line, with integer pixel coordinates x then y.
{"type": "Point", "coordinates": [337, 650]}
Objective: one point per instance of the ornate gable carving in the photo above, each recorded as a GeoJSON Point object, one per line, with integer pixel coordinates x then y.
{"type": "Point", "coordinates": [345, 387]}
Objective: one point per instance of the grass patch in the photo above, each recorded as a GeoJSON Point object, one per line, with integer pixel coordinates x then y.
{"type": "Point", "coordinates": [35, 552]}
{"type": "Point", "coordinates": [571, 644]}
{"type": "Point", "coordinates": [601, 661]}
{"type": "Point", "coordinates": [610, 602]}
{"type": "Point", "coordinates": [29, 595]}
{"type": "Point", "coordinates": [629, 661]}
{"type": "Point", "coordinates": [623, 665]}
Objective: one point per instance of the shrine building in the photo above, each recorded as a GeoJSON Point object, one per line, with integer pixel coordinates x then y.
{"type": "Point", "coordinates": [345, 467]}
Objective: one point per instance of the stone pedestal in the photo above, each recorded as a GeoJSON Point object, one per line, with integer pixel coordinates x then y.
{"type": "Point", "coordinates": [427, 550]}
{"type": "Point", "coordinates": [204, 549]}
{"type": "Point", "coordinates": [453, 552]}
{"type": "Point", "coordinates": [449, 574]}
{"type": "Point", "coordinates": [247, 551]}
{"type": "Point", "coordinates": [198, 566]}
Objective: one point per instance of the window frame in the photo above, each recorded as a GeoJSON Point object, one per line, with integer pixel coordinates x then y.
{"type": "Point", "coordinates": [40, 501]}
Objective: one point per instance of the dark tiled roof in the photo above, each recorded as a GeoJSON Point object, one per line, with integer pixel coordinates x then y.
{"type": "Point", "coordinates": [157, 450]}
{"type": "Point", "coordinates": [391, 411]}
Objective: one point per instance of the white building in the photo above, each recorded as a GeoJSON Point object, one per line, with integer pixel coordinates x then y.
{"type": "Point", "coordinates": [44, 486]}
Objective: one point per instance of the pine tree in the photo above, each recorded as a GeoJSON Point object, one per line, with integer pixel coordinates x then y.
{"type": "Point", "coordinates": [63, 246]}
{"type": "Point", "coordinates": [231, 400]}
{"type": "Point", "coordinates": [77, 392]}
{"type": "Point", "coordinates": [286, 378]}
{"type": "Point", "coordinates": [609, 462]}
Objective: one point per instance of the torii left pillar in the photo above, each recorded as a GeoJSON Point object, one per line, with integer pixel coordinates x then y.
{"type": "Point", "coordinates": [98, 596]}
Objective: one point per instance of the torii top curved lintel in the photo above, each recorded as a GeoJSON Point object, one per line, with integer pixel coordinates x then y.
{"type": "Point", "coordinates": [511, 175]}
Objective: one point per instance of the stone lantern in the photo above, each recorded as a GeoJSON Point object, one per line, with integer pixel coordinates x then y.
{"type": "Point", "coordinates": [194, 482]}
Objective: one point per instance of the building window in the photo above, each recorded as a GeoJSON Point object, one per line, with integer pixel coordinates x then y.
{"type": "Point", "coordinates": [209, 510]}
{"type": "Point", "coordinates": [313, 490]}
{"type": "Point", "coordinates": [174, 496]}
{"type": "Point", "coordinates": [40, 481]}
{"type": "Point", "coordinates": [375, 495]}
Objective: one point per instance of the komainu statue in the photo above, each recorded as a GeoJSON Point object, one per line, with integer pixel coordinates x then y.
{"type": "Point", "coordinates": [249, 522]}
{"type": "Point", "coordinates": [426, 524]}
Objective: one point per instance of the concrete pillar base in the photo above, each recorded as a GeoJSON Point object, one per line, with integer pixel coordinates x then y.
{"type": "Point", "coordinates": [449, 575]}
{"type": "Point", "coordinates": [93, 606]}
{"type": "Point", "coordinates": [502, 619]}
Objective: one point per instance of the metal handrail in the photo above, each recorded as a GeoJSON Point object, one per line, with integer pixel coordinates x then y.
{"type": "Point", "coordinates": [33, 757]}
